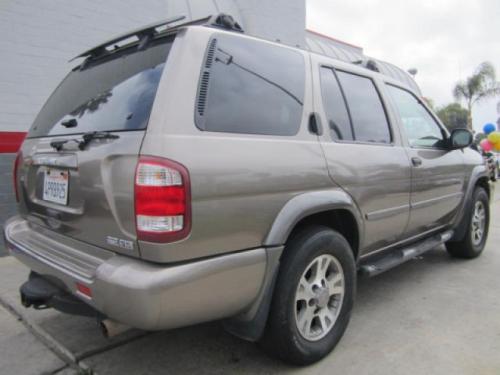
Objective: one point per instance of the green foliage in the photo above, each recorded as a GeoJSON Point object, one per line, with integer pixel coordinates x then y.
{"type": "Point", "coordinates": [453, 116]}
{"type": "Point", "coordinates": [478, 87]}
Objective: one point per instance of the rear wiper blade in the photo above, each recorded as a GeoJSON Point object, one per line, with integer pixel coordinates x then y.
{"type": "Point", "coordinates": [90, 136]}
{"type": "Point", "coordinates": [86, 139]}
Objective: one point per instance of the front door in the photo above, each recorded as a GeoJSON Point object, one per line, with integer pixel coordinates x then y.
{"type": "Point", "coordinates": [364, 155]}
{"type": "Point", "coordinates": [438, 173]}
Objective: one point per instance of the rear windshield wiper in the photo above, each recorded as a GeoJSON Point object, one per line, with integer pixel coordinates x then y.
{"type": "Point", "coordinates": [90, 136]}
{"type": "Point", "coordinates": [84, 141]}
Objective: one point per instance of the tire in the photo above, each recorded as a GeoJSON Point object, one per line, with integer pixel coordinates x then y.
{"type": "Point", "coordinates": [292, 306]}
{"type": "Point", "coordinates": [471, 246]}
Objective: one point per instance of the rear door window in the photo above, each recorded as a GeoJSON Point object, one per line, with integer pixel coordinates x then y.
{"type": "Point", "coordinates": [334, 104]}
{"type": "Point", "coordinates": [369, 120]}
{"type": "Point", "coordinates": [250, 87]}
{"type": "Point", "coordinates": [110, 94]}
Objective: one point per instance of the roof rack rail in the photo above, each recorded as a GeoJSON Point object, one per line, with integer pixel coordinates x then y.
{"type": "Point", "coordinates": [369, 64]}
{"type": "Point", "coordinates": [144, 34]}
{"type": "Point", "coordinates": [225, 21]}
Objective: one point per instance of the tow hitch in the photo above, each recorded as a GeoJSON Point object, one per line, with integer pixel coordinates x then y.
{"type": "Point", "coordinates": [41, 293]}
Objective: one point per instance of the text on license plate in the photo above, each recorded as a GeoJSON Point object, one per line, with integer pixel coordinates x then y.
{"type": "Point", "coordinates": [55, 186]}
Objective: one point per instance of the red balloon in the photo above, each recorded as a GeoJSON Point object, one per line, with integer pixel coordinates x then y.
{"type": "Point", "coordinates": [486, 145]}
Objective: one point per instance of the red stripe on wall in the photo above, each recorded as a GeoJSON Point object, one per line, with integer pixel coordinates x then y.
{"type": "Point", "coordinates": [11, 141]}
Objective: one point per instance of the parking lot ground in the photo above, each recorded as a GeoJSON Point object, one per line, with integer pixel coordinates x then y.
{"type": "Point", "coordinates": [15, 339]}
{"type": "Point", "coordinates": [432, 315]}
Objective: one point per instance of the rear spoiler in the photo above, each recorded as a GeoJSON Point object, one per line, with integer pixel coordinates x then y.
{"type": "Point", "coordinates": [158, 29]}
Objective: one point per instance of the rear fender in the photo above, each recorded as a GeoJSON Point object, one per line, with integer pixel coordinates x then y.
{"type": "Point", "coordinates": [250, 324]}
{"type": "Point", "coordinates": [308, 204]}
{"type": "Point", "coordinates": [462, 219]}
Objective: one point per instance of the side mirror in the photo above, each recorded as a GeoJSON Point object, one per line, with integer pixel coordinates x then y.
{"type": "Point", "coordinates": [460, 138]}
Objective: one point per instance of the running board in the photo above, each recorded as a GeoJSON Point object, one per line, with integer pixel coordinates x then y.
{"type": "Point", "coordinates": [402, 255]}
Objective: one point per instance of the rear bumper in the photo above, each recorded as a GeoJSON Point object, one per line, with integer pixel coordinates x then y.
{"type": "Point", "coordinates": [141, 294]}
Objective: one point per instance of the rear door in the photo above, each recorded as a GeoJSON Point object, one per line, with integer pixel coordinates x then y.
{"type": "Point", "coordinates": [438, 174]}
{"type": "Point", "coordinates": [364, 153]}
{"type": "Point", "coordinates": [85, 190]}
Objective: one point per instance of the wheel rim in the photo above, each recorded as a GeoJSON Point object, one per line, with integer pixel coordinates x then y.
{"type": "Point", "coordinates": [319, 297]}
{"type": "Point", "coordinates": [478, 223]}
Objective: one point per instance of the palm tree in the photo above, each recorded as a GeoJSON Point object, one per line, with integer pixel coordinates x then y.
{"type": "Point", "coordinates": [479, 86]}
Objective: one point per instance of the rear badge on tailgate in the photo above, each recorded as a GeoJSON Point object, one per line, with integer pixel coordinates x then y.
{"type": "Point", "coordinates": [121, 243]}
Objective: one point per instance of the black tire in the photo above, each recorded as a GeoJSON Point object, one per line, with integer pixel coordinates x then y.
{"type": "Point", "coordinates": [282, 338]}
{"type": "Point", "coordinates": [466, 248]}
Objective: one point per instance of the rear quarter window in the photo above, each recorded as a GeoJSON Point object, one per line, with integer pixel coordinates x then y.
{"type": "Point", "coordinates": [252, 87]}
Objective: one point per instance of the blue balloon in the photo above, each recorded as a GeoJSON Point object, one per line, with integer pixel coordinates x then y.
{"type": "Point", "coordinates": [489, 128]}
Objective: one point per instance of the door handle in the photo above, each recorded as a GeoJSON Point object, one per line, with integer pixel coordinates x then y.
{"type": "Point", "coordinates": [315, 124]}
{"type": "Point", "coordinates": [417, 162]}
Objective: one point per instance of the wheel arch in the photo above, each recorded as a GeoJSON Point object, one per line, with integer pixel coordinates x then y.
{"type": "Point", "coordinates": [334, 209]}
{"type": "Point", "coordinates": [479, 178]}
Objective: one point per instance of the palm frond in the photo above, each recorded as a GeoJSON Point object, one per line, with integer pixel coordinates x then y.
{"type": "Point", "coordinates": [460, 91]}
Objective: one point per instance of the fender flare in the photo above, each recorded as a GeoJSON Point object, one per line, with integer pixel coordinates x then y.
{"type": "Point", "coordinates": [307, 204]}
{"type": "Point", "coordinates": [461, 221]}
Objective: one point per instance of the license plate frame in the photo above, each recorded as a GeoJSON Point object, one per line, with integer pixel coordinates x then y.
{"type": "Point", "coordinates": [55, 186]}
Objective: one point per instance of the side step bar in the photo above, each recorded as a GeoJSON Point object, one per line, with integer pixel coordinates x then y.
{"type": "Point", "coordinates": [402, 255]}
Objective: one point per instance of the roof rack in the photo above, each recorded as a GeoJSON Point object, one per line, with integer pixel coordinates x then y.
{"type": "Point", "coordinates": [226, 22]}
{"type": "Point", "coordinates": [369, 64]}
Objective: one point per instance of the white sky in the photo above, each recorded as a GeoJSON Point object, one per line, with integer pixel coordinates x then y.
{"type": "Point", "coordinates": [444, 39]}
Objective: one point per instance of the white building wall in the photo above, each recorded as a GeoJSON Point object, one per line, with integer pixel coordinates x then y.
{"type": "Point", "coordinates": [283, 20]}
{"type": "Point", "coordinates": [39, 37]}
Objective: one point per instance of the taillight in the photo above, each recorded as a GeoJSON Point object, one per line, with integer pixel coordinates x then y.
{"type": "Point", "coordinates": [14, 174]}
{"type": "Point", "coordinates": [162, 200]}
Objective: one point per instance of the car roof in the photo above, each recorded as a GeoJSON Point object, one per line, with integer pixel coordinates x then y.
{"type": "Point", "coordinates": [330, 50]}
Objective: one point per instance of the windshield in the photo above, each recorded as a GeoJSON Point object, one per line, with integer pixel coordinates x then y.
{"type": "Point", "coordinates": [111, 95]}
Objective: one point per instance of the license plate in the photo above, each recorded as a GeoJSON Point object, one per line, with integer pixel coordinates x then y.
{"type": "Point", "coordinates": [55, 186]}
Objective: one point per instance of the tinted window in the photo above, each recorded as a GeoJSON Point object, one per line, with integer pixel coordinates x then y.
{"type": "Point", "coordinates": [108, 95]}
{"type": "Point", "coordinates": [249, 86]}
{"type": "Point", "coordinates": [420, 127]}
{"type": "Point", "coordinates": [367, 113]}
{"type": "Point", "coordinates": [334, 105]}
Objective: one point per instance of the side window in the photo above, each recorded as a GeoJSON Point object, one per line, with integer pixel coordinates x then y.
{"type": "Point", "coordinates": [251, 87]}
{"type": "Point", "coordinates": [420, 127]}
{"type": "Point", "coordinates": [369, 120]}
{"type": "Point", "coordinates": [335, 108]}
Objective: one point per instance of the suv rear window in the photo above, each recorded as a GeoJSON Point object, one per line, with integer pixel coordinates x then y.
{"type": "Point", "coordinates": [110, 94]}
{"type": "Point", "coordinates": [251, 87]}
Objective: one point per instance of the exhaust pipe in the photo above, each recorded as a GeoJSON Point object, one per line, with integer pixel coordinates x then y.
{"type": "Point", "coordinates": [111, 328]}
